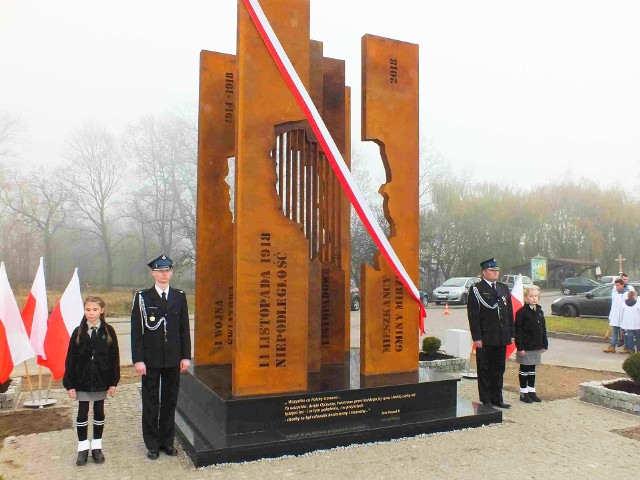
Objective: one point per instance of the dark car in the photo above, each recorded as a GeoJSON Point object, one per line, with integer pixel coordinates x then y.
{"type": "Point", "coordinates": [424, 298]}
{"type": "Point", "coordinates": [355, 296]}
{"type": "Point", "coordinates": [574, 285]}
{"type": "Point", "coordinates": [595, 303]}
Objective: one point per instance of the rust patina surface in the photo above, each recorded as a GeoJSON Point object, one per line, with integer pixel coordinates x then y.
{"type": "Point", "coordinates": [272, 281]}
{"type": "Point", "coordinates": [213, 329]}
{"type": "Point", "coordinates": [389, 316]}
{"type": "Point", "coordinates": [271, 276]}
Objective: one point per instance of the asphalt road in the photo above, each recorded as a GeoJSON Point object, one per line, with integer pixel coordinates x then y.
{"type": "Point", "coordinates": [570, 353]}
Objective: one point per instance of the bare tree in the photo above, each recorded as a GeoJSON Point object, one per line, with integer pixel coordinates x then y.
{"type": "Point", "coordinates": [10, 130]}
{"type": "Point", "coordinates": [93, 181]}
{"type": "Point", "coordinates": [163, 152]}
{"type": "Point", "coordinates": [37, 198]}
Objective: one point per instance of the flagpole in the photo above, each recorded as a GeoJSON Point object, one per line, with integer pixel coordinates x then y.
{"type": "Point", "coordinates": [26, 368]}
{"type": "Point", "coordinates": [39, 383]}
{"type": "Point", "coordinates": [49, 386]}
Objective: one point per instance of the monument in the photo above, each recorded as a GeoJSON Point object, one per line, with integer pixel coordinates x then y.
{"type": "Point", "coordinates": [274, 372]}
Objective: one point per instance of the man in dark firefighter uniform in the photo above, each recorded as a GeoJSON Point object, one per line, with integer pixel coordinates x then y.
{"type": "Point", "coordinates": [491, 323]}
{"type": "Point", "coordinates": [160, 349]}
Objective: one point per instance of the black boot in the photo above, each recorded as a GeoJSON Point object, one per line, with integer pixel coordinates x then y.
{"type": "Point", "coordinates": [524, 397]}
{"type": "Point", "coordinates": [82, 458]}
{"type": "Point", "coordinates": [97, 455]}
{"type": "Point", "coordinates": [534, 397]}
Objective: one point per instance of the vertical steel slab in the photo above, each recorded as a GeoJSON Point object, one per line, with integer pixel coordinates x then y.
{"type": "Point", "coordinates": [213, 329]}
{"type": "Point", "coordinates": [271, 253]}
{"type": "Point", "coordinates": [389, 318]}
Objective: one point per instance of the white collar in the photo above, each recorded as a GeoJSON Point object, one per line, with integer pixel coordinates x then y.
{"type": "Point", "coordinates": [97, 325]}
{"type": "Point", "coordinates": [491, 284]}
{"type": "Point", "coordinates": [159, 290]}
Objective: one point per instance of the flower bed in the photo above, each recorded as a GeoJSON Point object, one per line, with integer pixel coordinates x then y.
{"type": "Point", "coordinates": [449, 365]}
{"type": "Point", "coordinates": [597, 393]}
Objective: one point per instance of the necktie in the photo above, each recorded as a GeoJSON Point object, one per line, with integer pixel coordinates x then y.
{"type": "Point", "coordinates": [93, 332]}
{"type": "Point", "coordinates": [164, 298]}
{"type": "Point", "coordinates": [493, 288]}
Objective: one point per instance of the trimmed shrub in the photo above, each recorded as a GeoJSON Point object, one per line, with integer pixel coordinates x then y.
{"type": "Point", "coordinates": [632, 367]}
{"type": "Point", "coordinates": [431, 345]}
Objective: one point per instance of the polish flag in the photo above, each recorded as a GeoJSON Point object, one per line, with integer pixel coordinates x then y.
{"type": "Point", "coordinates": [15, 347]}
{"type": "Point", "coordinates": [517, 301]}
{"type": "Point", "coordinates": [36, 312]}
{"type": "Point", "coordinates": [64, 318]}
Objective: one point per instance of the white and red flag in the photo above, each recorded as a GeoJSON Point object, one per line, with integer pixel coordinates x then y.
{"type": "Point", "coordinates": [36, 312]}
{"type": "Point", "coordinates": [66, 316]}
{"type": "Point", "coordinates": [330, 149]}
{"type": "Point", "coordinates": [15, 346]}
{"type": "Point", "coordinates": [517, 301]}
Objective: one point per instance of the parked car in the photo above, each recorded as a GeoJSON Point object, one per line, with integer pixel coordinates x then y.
{"type": "Point", "coordinates": [594, 303]}
{"type": "Point", "coordinates": [511, 279]}
{"type": "Point", "coordinates": [424, 298]}
{"type": "Point", "coordinates": [574, 285]}
{"type": "Point", "coordinates": [454, 290]}
{"type": "Point", "coordinates": [608, 279]}
{"type": "Point", "coordinates": [355, 296]}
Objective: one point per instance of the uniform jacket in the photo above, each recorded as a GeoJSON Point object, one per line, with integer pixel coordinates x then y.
{"type": "Point", "coordinates": [151, 346]}
{"type": "Point", "coordinates": [493, 326]}
{"type": "Point", "coordinates": [93, 365]}
{"type": "Point", "coordinates": [531, 329]}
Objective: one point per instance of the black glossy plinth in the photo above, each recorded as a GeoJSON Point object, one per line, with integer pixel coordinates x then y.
{"type": "Point", "coordinates": [340, 408]}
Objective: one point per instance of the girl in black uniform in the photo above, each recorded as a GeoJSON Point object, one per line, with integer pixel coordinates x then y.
{"type": "Point", "coordinates": [531, 342]}
{"type": "Point", "coordinates": [92, 370]}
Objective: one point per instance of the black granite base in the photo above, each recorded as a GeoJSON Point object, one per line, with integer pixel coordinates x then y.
{"type": "Point", "coordinates": [340, 408]}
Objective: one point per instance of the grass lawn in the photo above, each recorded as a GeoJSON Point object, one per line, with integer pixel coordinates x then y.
{"type": "Point", "coordinates": [118, 302]}
{"type": "Point", "coordinates": [582, 326]}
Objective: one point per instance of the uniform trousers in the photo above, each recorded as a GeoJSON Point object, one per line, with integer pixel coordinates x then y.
{"type": "Point", "coordinates": [490, 362]}
{"type": "Point", "coordinates": [160, 388]}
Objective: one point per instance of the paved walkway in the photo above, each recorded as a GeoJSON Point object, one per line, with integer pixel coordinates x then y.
{"type": "Point", "coordinates": [564, 439]}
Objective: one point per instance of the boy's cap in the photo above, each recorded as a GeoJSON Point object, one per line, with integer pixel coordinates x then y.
{"type": "Point", "coordinates": [161, 263]}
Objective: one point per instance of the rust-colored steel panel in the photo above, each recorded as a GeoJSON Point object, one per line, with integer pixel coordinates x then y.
{"type": "Point", "coordinates": [334, 278]}
{"type": "Point", "coordinates": [213, 329]}
{"type": "Point", "coordinates": [315, 285]}
{"type": "Point", "coordinates": [316, 74]}
{"type": "Point", "coordinates": [345, 224]}
{"type": "Point", "coordinates": [333, 100]}
{"type": "Point", "coordinates": [389, 318]}
{"type": "Point", "coordinates": [332, 319]}
{"type": "Point", "coordinates": [271, 277]}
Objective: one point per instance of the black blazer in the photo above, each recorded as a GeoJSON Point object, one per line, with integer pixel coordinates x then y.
{"type": "Point", "coordinates": [531, 329]}
{"type": "Point", "coordinates": [493, 326]}
{"type": "Point", "coordinates": [151, 346]}
{"type": "Point", "coordinates": [92, 366]}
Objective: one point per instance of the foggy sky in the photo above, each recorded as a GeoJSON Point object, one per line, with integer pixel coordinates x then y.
{"type": "Point", "coordinates": [514, 92]}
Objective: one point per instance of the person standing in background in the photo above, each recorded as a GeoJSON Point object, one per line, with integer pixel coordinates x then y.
{"type": "Point", "coordinates": [618, 296]}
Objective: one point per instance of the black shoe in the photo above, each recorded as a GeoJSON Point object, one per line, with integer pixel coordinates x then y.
{"type": "Point", "coordinates": [153, 453]}
{"type": "Point", "coordinates": [501, 405]}
{"type": "Point", "coordinates": [82, 458]}
{"type": "Point", "coordinates": [534, 397]}
{"type": "Point", "coordinates": [524, 397]}
{"type": "Point", "coordinates": [97, 455]}
{"type": "Point", "coordinates": [170, 450]}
